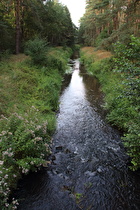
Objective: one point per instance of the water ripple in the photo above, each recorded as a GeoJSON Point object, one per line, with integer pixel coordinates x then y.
{"type": "Point", "coordinates": [88, 158]}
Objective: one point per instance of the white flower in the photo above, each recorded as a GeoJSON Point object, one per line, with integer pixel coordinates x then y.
{"type": "Point", "coordinates": [19, 117]}
{"type": "Point", "coordinates": [6, 176]}
{"type": "Point", "coordinates": [10, 154]}
{"type": "Point", "coordinates": [38, 127]}
{"type": "Point", "coordinates": [38, 138]}
{"type": "Point", "coordinates": [5, 153]}
{"type": "Point", "coordinates": [3, 117]}
{"type": "Point", "coordinates": [1, 163]}
{"type": "Point", "coordinates": [3, 132]}
{"type": "Point", "coordinates": [6, 204]}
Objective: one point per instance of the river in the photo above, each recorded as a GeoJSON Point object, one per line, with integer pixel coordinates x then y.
{"type": "Point", "coordinates": [89, 166]}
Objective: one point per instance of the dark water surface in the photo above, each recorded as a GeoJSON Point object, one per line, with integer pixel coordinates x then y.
{"type": "Point", "coordinates": [88, 167]}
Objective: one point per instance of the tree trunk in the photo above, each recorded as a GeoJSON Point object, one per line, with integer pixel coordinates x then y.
{"type": "Point", "coordinates": [18, 25]}
{"type": "Point", "coordinates": [116, 22]}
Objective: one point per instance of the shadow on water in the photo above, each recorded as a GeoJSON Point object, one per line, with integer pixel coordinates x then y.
{"type": "Point", "coordinates": [88, 167]}
{"type": "Point", "coordinates": [93, 91]}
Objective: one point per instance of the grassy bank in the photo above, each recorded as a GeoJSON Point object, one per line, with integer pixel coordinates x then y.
{"type": "Point", "coordinates": [120, 81]}
{"type": "Point", "coordinates": [28, 101]}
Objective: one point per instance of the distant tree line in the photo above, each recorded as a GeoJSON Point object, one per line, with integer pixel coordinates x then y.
{"type": "Point", "coordinates": [108, 21]}
{"type": "Point", "coordinates": [22, 20]}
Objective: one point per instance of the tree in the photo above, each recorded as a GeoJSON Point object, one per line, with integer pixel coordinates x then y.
{"type": "Point", "coordinates": [22, 20]}
{"type": "Point", "coordinates": [57, 25]}
{"type": "Point", "coordinates": [109, 21]}
{"type": "Point", "coordinates": [7, 21]}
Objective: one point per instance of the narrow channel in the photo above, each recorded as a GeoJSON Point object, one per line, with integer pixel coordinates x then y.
{"type": "Point", "coordinates": [88, 167]}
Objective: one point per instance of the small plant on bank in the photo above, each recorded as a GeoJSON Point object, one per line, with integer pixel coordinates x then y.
{"type": "Point", "coordinates": [37, 49]}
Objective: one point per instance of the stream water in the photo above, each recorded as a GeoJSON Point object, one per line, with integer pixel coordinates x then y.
{"type": "Point", "coordinates": [88, 167]}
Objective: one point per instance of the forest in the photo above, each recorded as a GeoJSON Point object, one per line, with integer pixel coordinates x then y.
{"type": "Point", "coordinates": [26, 20]}
{"type": "Point", "coordinates": [108, 21]}
{"type": "Point", "coordinates": [37, 38]}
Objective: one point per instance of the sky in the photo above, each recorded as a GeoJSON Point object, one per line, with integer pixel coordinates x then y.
{"type": "Point", "coordinates": [76, 8]}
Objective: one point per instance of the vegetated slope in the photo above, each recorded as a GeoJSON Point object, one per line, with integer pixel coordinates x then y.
{"type": "Point", "coordinates": [28, 100]}
{"type": "Point", "coordinates": [120, 80]}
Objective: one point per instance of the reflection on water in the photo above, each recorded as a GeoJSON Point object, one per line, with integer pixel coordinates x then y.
{"type": "Point", "coordinates": [88, 167]}
{"type": "Point", "coordinates": [76, 84]}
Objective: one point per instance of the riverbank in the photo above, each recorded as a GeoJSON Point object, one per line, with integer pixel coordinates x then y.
{"type": "Point", "coordinates": [120, 82]}
{"type": "Point", "coordinates": [29, 98]}
{"type": "Point", "coordinates": [88, 166]}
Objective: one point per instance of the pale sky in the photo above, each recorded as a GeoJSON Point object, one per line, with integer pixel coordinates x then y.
{"type": "Point", "coordinates": [76, 8]}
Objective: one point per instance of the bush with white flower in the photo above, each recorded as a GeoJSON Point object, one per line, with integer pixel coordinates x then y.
{"type": "Point", "coordinates": [24, 146]}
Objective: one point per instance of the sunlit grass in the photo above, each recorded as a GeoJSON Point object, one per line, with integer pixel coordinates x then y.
{"type": "Point", "coordinates": [95, 54]}
{"type": "Point", "coordinates": [18, 58]}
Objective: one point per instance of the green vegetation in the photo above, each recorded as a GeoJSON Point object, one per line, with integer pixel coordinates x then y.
{"type": "Point", "coordinates": [28, 98]}
{"type": "Point", "coordinates": [120, 81]}
{"type": "Point", "coordinates": [30, 84]}
{"type": "Point", "coordinates": [23, 20]}
{"type": "Point", "coordinates": [114, 25]}
{"type": "Point", "coordinates": [37, 49]}
{"type": "Point", "coordinates": [78, 197]}
{"type": "Point", "coordinates": [108, 21]}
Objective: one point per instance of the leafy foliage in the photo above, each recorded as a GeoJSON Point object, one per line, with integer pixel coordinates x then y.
{"type": "Point", "coordinates": [120, 80]}
{"type": "Point", "coordinates": [48, 20]}
{"type": "Point", "coordinates": [105, 22]}
{"type": "Point", "coordinates": [54, 59]}
{"type": "Point", "coordinates": [57, 24]}
{"type": "Point", "coordinates": [24, 146]}
{"type": "Point", "coordinates": [127, 61]}
{"type": "Point", "coordinates": [37, 49]}
{"type": "Point", "coordinates": [29, 99]}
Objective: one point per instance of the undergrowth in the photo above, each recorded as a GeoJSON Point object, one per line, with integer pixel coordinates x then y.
{"type": "Point", "coordinates": [28, 100]}
{"type": "Point", "coordinates": [119, 77]}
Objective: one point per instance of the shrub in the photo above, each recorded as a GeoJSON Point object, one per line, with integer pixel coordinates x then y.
{"type": "Point", "coordinates": [58, 59]}
{"type": "Point", "coordinates": [120, 81]}
{"type": "Point", "coordinates": [37, 49]}
{"type": "Point", "coordinates": [24, 147]}
{"type": "Point", "coordinates": [127, 62]}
